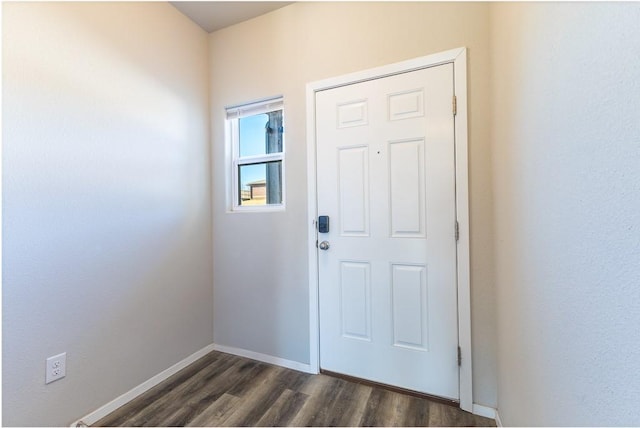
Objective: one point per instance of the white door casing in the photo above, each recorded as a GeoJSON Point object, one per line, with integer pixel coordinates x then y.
{"type": "Point", "coordinates": [456, 57]}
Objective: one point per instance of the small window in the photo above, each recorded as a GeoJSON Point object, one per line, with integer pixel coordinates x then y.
{"type": "Point", "coordinates": [255, 134]}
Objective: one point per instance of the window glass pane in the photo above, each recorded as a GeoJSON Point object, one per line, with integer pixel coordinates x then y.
{"type": "Point", "coordinates": [260, 184]}
{"type": "Point", "coordinates": [261, 134]}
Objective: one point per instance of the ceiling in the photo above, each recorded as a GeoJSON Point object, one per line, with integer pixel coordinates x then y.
{"type": "Point", "coordinates": [214, 15]}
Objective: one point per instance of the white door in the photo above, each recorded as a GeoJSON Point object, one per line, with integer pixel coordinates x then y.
{"type": "Point", "coordinates": [386, 179]}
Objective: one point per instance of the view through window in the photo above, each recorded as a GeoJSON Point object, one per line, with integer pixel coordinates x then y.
{"type": "Point", "coordinates": [261, 182]}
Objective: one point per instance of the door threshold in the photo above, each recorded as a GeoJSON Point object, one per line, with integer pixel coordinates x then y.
{"type": "Point", "coordinates": [435, 398]}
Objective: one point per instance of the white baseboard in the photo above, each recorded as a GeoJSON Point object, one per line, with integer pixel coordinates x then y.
{"type": "Point", "coordinates": [301, 367]}
{"type": "Point", "coordinates": [103, 411]}
{"type": "Point", "coordinates": [498, 420]}
{"type": "Point", "coordinates": [487, 412]}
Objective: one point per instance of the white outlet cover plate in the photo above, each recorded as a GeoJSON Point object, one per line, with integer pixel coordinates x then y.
{"type": "Point", "coordinates": [56, 367]}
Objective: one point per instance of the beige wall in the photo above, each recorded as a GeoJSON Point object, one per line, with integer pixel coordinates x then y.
{"type": "Point", "coordinates": [106, 195]}
{"type": "Point", "coordinates": [106, 201]}
{"type": "Point", "coordinates": [566, 157]}
{"type": "Point", "coordinates": [266, 309]}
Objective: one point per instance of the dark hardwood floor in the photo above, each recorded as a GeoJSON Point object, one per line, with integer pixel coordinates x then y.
{"type": "Point", "coordinates": [226, 390]}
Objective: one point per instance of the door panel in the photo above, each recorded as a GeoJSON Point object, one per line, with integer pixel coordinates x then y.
{"type": "Point", "coordinates": [386, 179]}
{"type": "Point", "coordinates": [355, 300]}
{"type": "Point", "coordinates": [410, 307]}
{"type": "Point", "coordinates": [406, 189]}
{"type": "Point", "coordinates": [353, 190]}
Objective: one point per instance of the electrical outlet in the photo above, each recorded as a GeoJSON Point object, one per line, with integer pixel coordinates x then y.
{"type": "Point", "coordinates": [56, 367]}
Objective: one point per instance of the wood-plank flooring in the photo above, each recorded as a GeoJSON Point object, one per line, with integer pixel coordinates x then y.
{"type": "Point", "coordinates": [226, 390]}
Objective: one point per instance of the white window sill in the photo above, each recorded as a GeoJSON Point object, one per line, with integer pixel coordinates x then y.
{"type": "Point", "coordinates": [257, 209]}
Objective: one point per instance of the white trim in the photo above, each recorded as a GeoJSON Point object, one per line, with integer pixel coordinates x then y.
{"type": "Point", "coordinates": [486, 411]}
{"type": "Point", "coordinates": [233, 160]}
{"type": "Point", "coordinates": [257, 208]}
{"type": "Point", "coordinates": [386, 70]}
{"type": "Point", "coordinates": [294, 365]}
{"type": "Point", "coordinates": [462, 212]}
{"type": "Point", "coordinates": [230, 176]}
{"type": "Point", "coordinates": [498, 420]}
{"type": "Point", "coordinates": [255, 107]}
{"type": "Point", "coordinates": [248, 160]}
{"type": "Point", "coordinates": [312, 215]}
{"type": "Point", "coordinates": [459, 59]}
{"type": "Point", "coordinates": [103, 411]}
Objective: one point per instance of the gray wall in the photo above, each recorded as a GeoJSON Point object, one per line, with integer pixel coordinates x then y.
{"type": "Point", "coordinates": [106, 201]}
{"type": "Point", "coordinates": [265, 309]}
{"type": "Point", "coordinates": [566, 156]}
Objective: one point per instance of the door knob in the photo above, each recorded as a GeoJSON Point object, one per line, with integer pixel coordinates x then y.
{"type": "Point", "coordinates": [324, 245]}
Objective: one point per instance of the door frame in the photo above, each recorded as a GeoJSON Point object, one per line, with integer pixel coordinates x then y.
{"type": "Point", "coordinates": [457, 57]}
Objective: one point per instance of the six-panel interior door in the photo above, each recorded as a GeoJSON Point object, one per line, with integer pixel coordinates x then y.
{"type": "Point", "coordinates": [386, 179]}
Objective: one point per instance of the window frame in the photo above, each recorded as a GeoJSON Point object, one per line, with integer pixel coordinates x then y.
{"type": "Point", "coordinates": [235, 161]}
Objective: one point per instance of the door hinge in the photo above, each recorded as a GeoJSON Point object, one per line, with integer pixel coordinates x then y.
{"type": "Point", "coordinates": [459, 357]}
{"type": "Point", "coordinates": [455, 105]}
{"type": "Point", "coordinates": [457, 232]}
